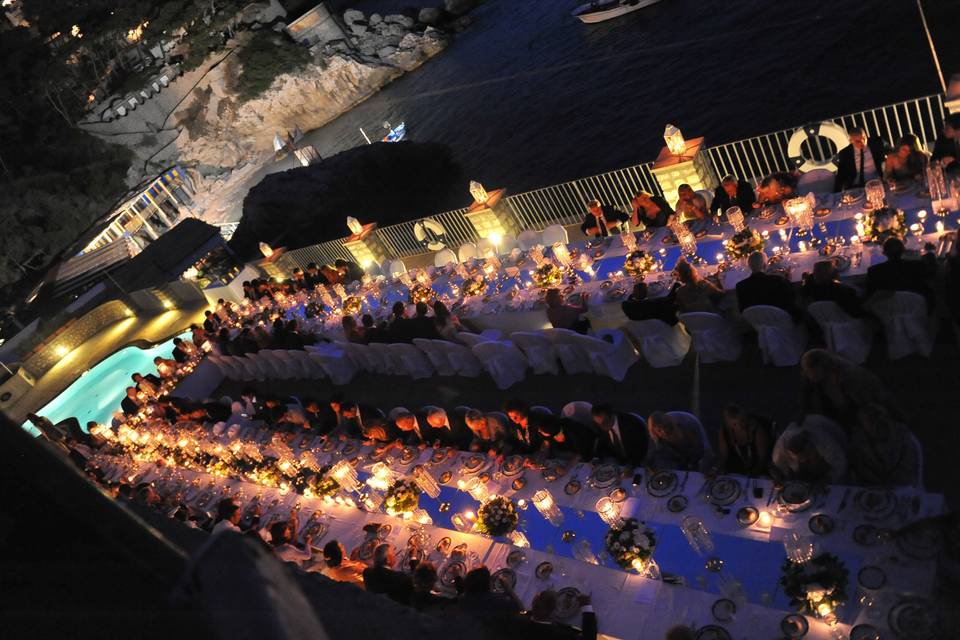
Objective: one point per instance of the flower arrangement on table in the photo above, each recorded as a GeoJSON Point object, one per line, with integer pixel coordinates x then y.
{"type": "Point", "coordinates": [475, 286]}
{"type": "Point", "coordinates": [816, 587]}
{"type": "Point", "coordinates": [421, 293]}
{"type": "Point", "coordinates": [630, 543]}
{"type": "Point", "coordinates": [638, 264]}
{"type": "Point", "coordinates": [883, 223]}
{"type": "Point", "coordinates": [743, 243]}
{"type": "Point", "coordinates": [322, 485]}
{"type": "Point", "coordinates": [351, 306]}
{"type": "Point", "coordinates": [547, 275]}
{"type": "Point", "coordinates": [403, 496]}
{"type": "Point", "coordinates": [497, 516]}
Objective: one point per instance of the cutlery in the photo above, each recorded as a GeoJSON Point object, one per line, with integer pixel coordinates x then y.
{"type": "Point", "coordinates": [683, 483]}
{"type": "Point", "coordinates": [843, 500]}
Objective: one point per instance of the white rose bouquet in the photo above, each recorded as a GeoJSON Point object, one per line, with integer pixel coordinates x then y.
{"type": "Point", "coordinates": [403, 496]}
{"type": "Point", "coordinates": [629, 541]}
{"type": "Point", "coordinates": [497, 516]}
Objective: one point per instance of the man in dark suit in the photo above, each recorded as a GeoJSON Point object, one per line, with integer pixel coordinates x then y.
{"type": "Point", "coordinates": [382, 578]}
{"type": "Point", "coordinates": [860, 161]}
{"type": "Point", "coordinates": [450, 429]}
{"type": "Point", "coordinates": [130, 403]}
{"type": "Point", "coordinates": [563, 435]}
{"type": "Point", "coordinates": [947, 147]}
{"type": "Point", "coordinates": [623, 436]}
{"type": "Point", "coordinates": [422, 325]}
{"type": "Point", "coordinates": [733, 193]}
{"type": "Point", "coordinates": [538, 623]}
{"type": "Point", "coordinates": [761, 288]}
{"type": "Point", "coordinates": [358, 419]}
{"type": "Point", "coordinates": [639, 307]}
{"type": "Point", "coordinates": [897, 274]}
{"type": "Point", "coordinates": [524, 437]}
{"type": "Point", "coordinates": [822, 286]}
{"type": "Point", "coordinates": [601, 219]}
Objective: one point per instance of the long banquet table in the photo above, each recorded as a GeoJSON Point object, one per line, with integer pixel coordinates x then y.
{"type": "Point", "coordinates": [628, 605]}
{"type": "Point", "coordinates": [526, 311]}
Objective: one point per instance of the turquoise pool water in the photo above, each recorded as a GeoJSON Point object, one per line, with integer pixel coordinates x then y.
{"type": "Point", "coordinates": [96, 394]}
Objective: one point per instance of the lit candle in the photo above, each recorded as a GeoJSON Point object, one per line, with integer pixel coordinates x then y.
{"type": "Point", "coordinates": [765, 519]}
{"type": "Point", "coordinates": [921, 215]}
{"type": "Point", "coordinates": [802, 246]}
{"type": "Point", "coordinates": [940, 226]}
{"type": "Point", "coordinates": [638, 565]}
{"type": "Point", "coordinates": [469, 515]}
{"type": "Point", "coordinates": [609, 511]}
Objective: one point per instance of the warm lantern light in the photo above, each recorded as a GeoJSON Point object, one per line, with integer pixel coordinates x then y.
{"type": "Point", "coordinates": [495, 238]}
{"type": "Point", "coordinates": [477, 489]}
{"type": "Point", "coordinates": [940, 226]}
{"type": "Point", "coordinates": [545, 504]}
{"type": "Point", "coordinates": [561, 253]}
{"type": "Point", "coordinates": [345, 475]}
{"type": "Point", "coordinates": [479, 194]}
{"type": "Point", "coordinates": [266, 250]}
{"type": "Point", "coordinates": [875, 193]}
{"type": "Point", "coordinates": [609, 511]}
{"type": "Point", "coordinates": [354, 225]}
{"type": "Point", "coordinates": [800, 212]}
{"type": "Point", "coordinates": [674, 139]}
{"type": "Point", "coordinates": [61, 351]}
{"type": "Point", "coordinates": [765, 520]}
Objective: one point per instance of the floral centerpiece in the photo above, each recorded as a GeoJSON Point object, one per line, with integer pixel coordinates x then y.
{"type": "Point", "coordinates": [403, 496]}
{"type": "Point", "coordinates": [497, 516]}
{"type": "Point", "coordinates": [883, 223]}
{"type": "Point", "coordinates": [321, 485]}
{"type": "Point", "coordinates": [630, 543]}
{"type": "Point", "coordinates": [421, 293]}
{"type": "Point", "coordinates": [351, 306]}
{"type": "Point", "coordinates": [816, 587]}
{"type": "Point", "coordinates": [475, 286]}
{"type": "Point", "coordinates": [639, 263]}
{"type": "Point", "coordinates": [547, 275]}
{"type": "Point", "coordinates": [743, 243]}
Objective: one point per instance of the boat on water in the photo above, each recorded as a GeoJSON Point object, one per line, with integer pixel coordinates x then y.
{"type": "Point", "coordinates": [394, 133]}
{"type": "Point", "coordinates": [600, 10]}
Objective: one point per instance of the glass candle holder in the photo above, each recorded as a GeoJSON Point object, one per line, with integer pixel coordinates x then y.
{"type": "Point", "coordinates": [477, 489]}
{"type": "Point", "coordinates": [547, 506]}
{"type": "Point", "coordinates": [609, 511]}
{"type": "Point", "coordinates": [426, 482]}
{"type": "Point", "coordinates": [735, 218]}
{"type": "Point", "coordinates": [800, 212]}
{"type": "Point", "coordinates": [345, 475]}
{"type": "Point", "coordinates": [875, 193]}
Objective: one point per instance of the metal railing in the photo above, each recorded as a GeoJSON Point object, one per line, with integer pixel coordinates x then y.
{"type": "Point", "coordinates": [749, 159]}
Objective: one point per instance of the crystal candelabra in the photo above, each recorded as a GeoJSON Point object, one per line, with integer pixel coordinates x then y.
{"type": "Point", "coordinates": [609, 511]}
{"type": "Point", "coordinates": [735, 218]}
{"type": "Point", "coordinates": [800, 213]}
{"type": "Point", "coordinates": [629, 240]}
{"type": "Point", "coordinates": [426, 482]}
{"type": "Point", "coordinates": [545, 504]}
{"type": "Point", "coordinates": [697, 535]}
{"type": "Point", "coordinates": [562, 254]}
{"type": "Point", "coordinates": [345, 475]}
{"type": "Point", "coordinates": [799, 548]}
{"type": "Point", "coordinates": [477, 489]}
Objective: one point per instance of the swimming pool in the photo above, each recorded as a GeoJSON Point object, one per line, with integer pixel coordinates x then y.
{"type": "Point", "coordinates": [97, 393]}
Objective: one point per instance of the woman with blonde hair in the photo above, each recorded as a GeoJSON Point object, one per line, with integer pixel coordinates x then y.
{"type": "Point", "coordinates": [695, 293]}
{"type": "Point", "coordinates": [907, 161]}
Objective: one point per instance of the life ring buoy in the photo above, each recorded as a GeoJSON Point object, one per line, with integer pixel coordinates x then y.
{"type": "Point", "coordinates": [829, 130]}
{"type": "Point", "coordinates": [430, 234]}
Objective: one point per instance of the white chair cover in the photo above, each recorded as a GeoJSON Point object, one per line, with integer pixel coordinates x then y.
{"type": "Point", "coordinates": [816, 181]}
{"type": "Point", "coordinates": [436, 355]}
{"type": "Point", "coordinates": [468, 251]}
{"type": "Point", "coordinates": [361, 356]}
{"type": "Point", "coordinates": [461, 357]}
{"type": "Point", "coordinates": [265, 362]}
{"type": "Point", "coordinates": [381, 355]}
{"type": "Point", "coordinates": [782, 341]}
{"type": "Point", "coordinates": [572, 354]}
{"type": "Point", "coordinates": [611, 357]}
{"type": "Point", "coordinates": [444, 257]}
{"type": "Point", "coordinates": [313, 370]}
{"type": "Point", "coordinates": [503, 361]}
{"type": "Point", "coordinates": [335, 362]}
{"type": "Point", "coordinates": [661, 344]}
{"type": "Point", "coordinates": [553, 234]}
{"type": "Point", "coordinates": [487, 335]}
{"type": "Point", "coordinates": [408, 360]}
{"type": "Point", "coordinates": [394, 268]}
{"type": "Point", "coordinates": [906, 325]}
{"type": "Point", "coordinates": [507, 244]}
{"type": "Point", "coordinates": [845, 335]}
{"type": "Point", "coordinates": [528, 239]}
{"type": "Point", "coordinates": [579, 411]}
{"type": "Point", "coordinates": [293, 364]}
{"type": "Point", "coordinates": [485, 247]}
{"type": "Point", "coordinates": [539, 351]}
{"type": "Point", "coordinates": [714, 339]}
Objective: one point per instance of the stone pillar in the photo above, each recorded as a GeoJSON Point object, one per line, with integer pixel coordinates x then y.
{"type": "Point", "coordinates": [366, 247]}
{"type": "Point", "coordinates": [493, 216]}
{"type": "Point", "coordinates": [693, 168]}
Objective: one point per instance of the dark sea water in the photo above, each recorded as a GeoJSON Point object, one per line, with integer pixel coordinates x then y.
{"type": "Point", "coordinates": [528, 96]}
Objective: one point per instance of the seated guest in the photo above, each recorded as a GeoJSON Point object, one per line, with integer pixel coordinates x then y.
{"type": "Point", "coordinates": [422, 325]}
{"type": "Point", "coordinates": [810, 452]}
{"type": "Point", "coordinates": [447, 324]}
{"type": "Point", "coordinates": [822, 285]}
{"type": "Point", "coordinates": [836, 388]}
{"type": "Point", "coordinates": [733, 193]}
{"type": "Point", "coordinates": [602, 219]}
{"type": "Point", "coordinates": [400, 328]}
{"type": "Point", "coordinates": [907, 161]}
{"type": "Point", "coordinates": [425, 597]}
{"type": "Point", "coordinates": [674, 443]}
{"type": "Point", "coordinates": [775, 188]}
{"type": "Point", "coordinates": [762, 288]}
{"type": "Point", "coordinates": [282, 536]}
{"type": "Point", "coordinates": [228, 516]}
{"type": "Point", "coordinates": [211, 322]}
{"type": "Point", "coordinates": [329, 275]}
{"type": "Point", "coordinates": [371, 332]}
{"type": "Point", "coordinates": [649, 210]}
{"type": "Point", "coordinates": [947, 147]}
{"type": "Point", "coordinates": [408, 427]}
{"type": "Point", "coordinates": [312, 277]}
{"type": "Point", "coordinates": [882, 452]}
{"type": "Point", "coordinates": [623, 436]}
{"type": "Point", "coordinates": [489, 430]}
{"type": "Point", "coordinates": [130, 405]}
{"type": "Point", "coordinates": [339, 566]}
{"type": "Point", "coordinates": [565, 436]}
{"type": "Point", "coordinates": [292, 339]}
{"type": "Point", "coordinates": [523, 437]}
{"type": "Point", "coordinates": [480, 601]}
{"type": "Point", "coordinates": [382, 578]}
{"type": "Point", "coordinates": [539, 624]}
{"type": "Point", "coordinates": [695, 293]}
{"type": "Point", "coordinates": [449, 429]}
{"type": "Point", "coordinates": [690, 205]}
{"type": "Point", "coordinates": [351, 331]}
{"type": "Point", "coordinates": [356, 419]}
{"type": "Point", "coordinates": [148, 384]}
{"type": "Point", "coordinates": [349, 271]}
{"type": "Point", "coordinates": [639, 307]}
{"type": "Point", "coordinates": [319, 419]}
{"type": "Point", "coordinates": [47, 429]}
{"type": "Point", "coordinates": [897, 274]}
{"type": "Point", "coordinates": [859, 161]}
{"type": "Point", "coordinates": [181, 353]}
{"type": "Point", "coordinates": [743, 445]}
{"type": "Point", "coordinates": [166, 367]}
{"type": "Point", "coordinates": [567, 316]}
